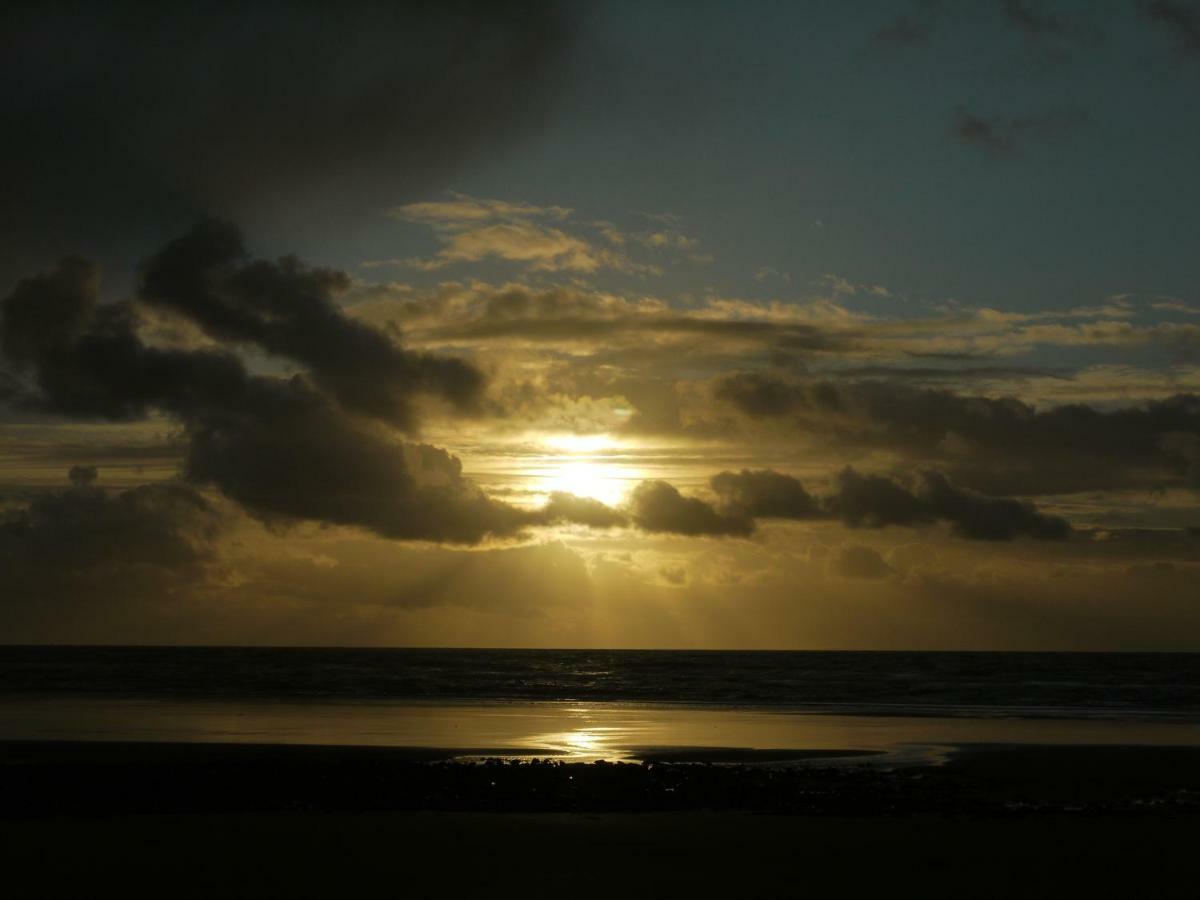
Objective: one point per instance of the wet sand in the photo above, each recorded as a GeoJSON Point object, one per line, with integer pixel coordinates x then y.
{"type": "Point", "coordinates": [615, 855]}
{"type": "Point", "coordinates": [80, 778]}
{"type": "Point", "coordinates": [244, 820]}
{"type": "Point", "coordinates": [575, 731]}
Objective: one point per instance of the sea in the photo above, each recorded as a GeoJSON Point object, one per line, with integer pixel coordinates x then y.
{"type": "Point", "coordinates": [599, 704]}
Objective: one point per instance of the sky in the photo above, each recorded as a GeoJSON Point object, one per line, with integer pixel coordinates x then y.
{"type": "Point", "coordinates": [709, 325]}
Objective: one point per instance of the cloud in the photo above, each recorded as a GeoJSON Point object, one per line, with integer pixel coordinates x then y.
{"type": "Point", "coordinates": [658, 506]}
{"type": "Point", "coordinates": [288, 310]}
{"type": "Point", "coordinates": [985, 518]}
{"type": "Point", "coordinates": [768, 273]}
{"type": "Point", "coordinates": [764, 494]}
{"type": "Point", "coordinates": [540, 248]}
{"type": "Point", "coordinates": [89, 359]}
{"type": "Point", "coordinates": [283, 450]}
{"type": "Point", "coordinates": [224, 110]}
{"type": "Point", "coordinates": [472, 230]}
{"type": "Point", "coordinates": [461, 210]}
{"type": "Point", "coordinates": [1003, 135]}
{"type": "Point", "coordinates": [483, 313]}
{"type": "Point", "coordinates": [872, 501]}
{"type": "Point", "coordinates": [821, 329]}
{"type": "Point", "coordinates": [859, 501]}
{"type": "Point", "coordinates": [317, 445]}
{"type": "Point", "coordinates": [999, 445]}
{"type": "Point", "coordinates": [83, 539]}
{"type": "Point", "coordinates": [664, 238]}
{"type": "Point", "coordinates": [563, 507]}
{"type": "Point", "coordinates": [86, 358]}
{"type": "Point", "coordinates": [1182, 20]}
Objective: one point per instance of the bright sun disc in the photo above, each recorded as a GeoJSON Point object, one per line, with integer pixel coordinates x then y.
{"type": "Point", "coordinates": [584, 479]}
{"type": "Point", "coordinates": [577, 465]}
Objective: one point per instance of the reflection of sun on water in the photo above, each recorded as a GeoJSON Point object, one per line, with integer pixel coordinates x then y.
{"type": "Point", "coordinates": [582, 465]}
{"type": "Point", "coordinates": [583, 742]}
{"type": "Point", "coordinates": [588, 738]}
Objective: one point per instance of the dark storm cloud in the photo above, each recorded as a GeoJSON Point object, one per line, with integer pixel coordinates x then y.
{"type": "Point", "coordinates": [82, 529]}
{"type": "Point", "coordinates": [875, 501]}
{"type": "Point", "coordinates": [765, 494]}
{"type": "Point", "coordinates": [872, 501]}
{"type": "Point", "coordinates": [87, 360]}
{"type": "Point", "coordinates": [1004, 135]}
{"type": "Point", "coordinates": [288, 310]}
{"type": "Point", "coordinates": [307, 447]}
{"type": "Point", "coordinates": [82, 563]}
{"type": "Point", "coordinates": [858, 501]}
{"type": "Point", "coordinates": [124, 121]}
{"type": "Point", "coordinates": [658, 506]}
{"type": "Point", "coordinates": [563, 507]}
{"type": "Point", "coordinates": [998, 445]}
{"type": "Point", "coordinates": [1181, 19]}
{"type": "Point", "coordinates": [283, 449]}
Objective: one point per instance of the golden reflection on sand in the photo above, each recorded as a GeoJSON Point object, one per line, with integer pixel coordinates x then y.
{"type": "Point", "coordinates": [610, 731]}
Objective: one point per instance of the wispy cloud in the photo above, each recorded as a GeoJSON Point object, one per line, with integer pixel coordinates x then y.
{"type": "Point", "coordinates": [540, 238]}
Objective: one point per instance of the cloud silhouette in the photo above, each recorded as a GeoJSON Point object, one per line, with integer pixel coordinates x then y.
{"type": "Point", "coordinates": [764, 494]}
{"type": "Point", "coordinates": [997, 445]}
{"type": "Point", "coordinates": [317, 445]}
{"type": "Point", "coordinates": [658, 506]}
{"type": "Point", "coordinates": [288, 310]}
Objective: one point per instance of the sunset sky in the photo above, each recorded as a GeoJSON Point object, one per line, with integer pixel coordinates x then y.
{"type": "Point", "coordinates": [756, 325]}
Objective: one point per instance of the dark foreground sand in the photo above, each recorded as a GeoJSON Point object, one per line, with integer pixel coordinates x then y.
{"type": "Point", "coordinates": [613, 855]}
{"type": "Point", "coordinates": [221, 821]}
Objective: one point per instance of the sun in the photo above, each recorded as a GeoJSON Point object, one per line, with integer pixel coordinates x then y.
{"type": "Point", "coordinates": [583, 479]}
{"type": "Point", "coordinates": [584, 465]}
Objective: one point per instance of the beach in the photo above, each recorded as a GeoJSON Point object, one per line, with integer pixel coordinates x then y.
{"type": "Point", "coordinates": [602, 856]}
{"type": "Point", "coordinates": [296, 773]}
{"type": "Point", "coordinates": [190, 820]}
